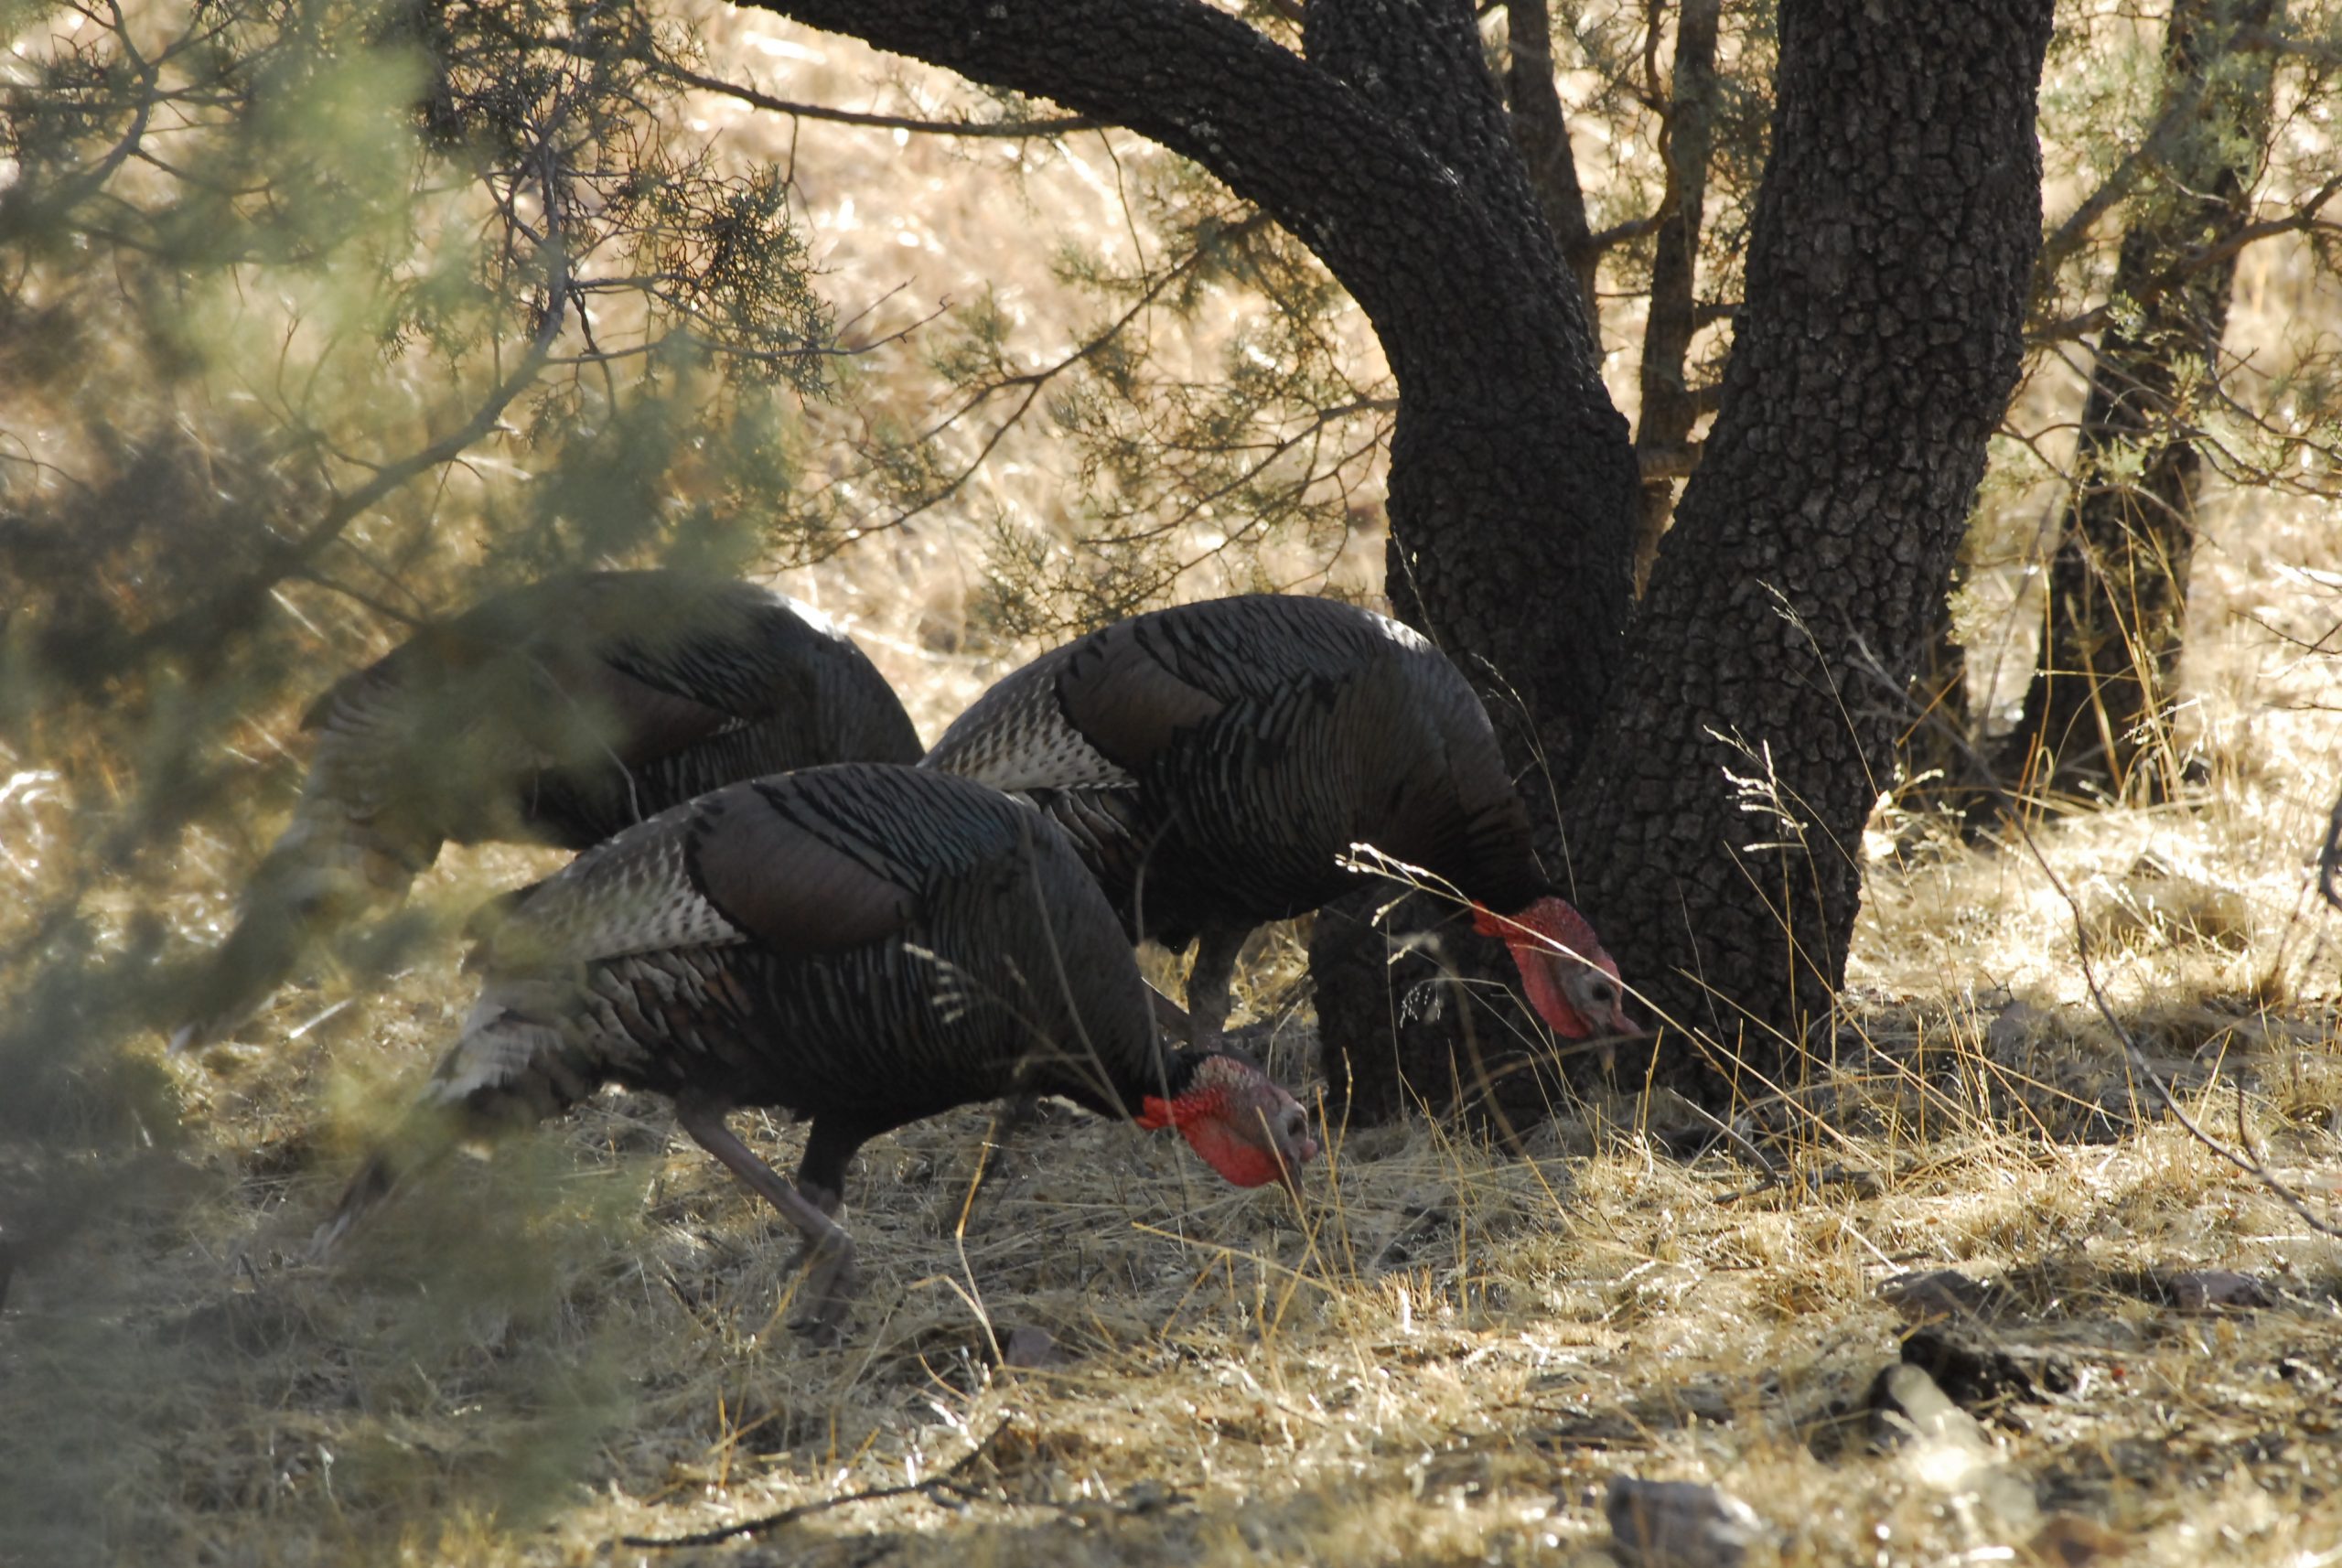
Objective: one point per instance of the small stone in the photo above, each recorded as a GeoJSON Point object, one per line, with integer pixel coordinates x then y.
{"type": "Point", "coordinates": [1679, 1524]}
{"type": "Point", "coordinates": [2213, 1290]}
{"type": "Point", "coordinates": [1944, 1447]}
{"type": "Point", "coordinates": [1031, 1348]}
{"type": "Point", "coordinates": [2073, 1539]}
{"type": "Point", "coordinates": [1905, 1406]}
{"type": "Point", "coordinates": [1938, 1293]}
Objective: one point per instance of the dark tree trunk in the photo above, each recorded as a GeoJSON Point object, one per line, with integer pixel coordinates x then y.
{"type": "Point", "coordinates": [1663, 431]}
{"type": "Point", "coordinates": [1889, 259]}
{"type": "Point", "coordinates": [1508, 464]}
{"type": "Point", "coordinates": [1931, 753]}
{"type": "Point", "coordinates": [1717, 827]}
{"type": "Point", "coordinates": [1458, 575]}
{"type": "Point", "coordinates": [1543, 138]}
{"type": "Point", "coordinates": [2096, 713]}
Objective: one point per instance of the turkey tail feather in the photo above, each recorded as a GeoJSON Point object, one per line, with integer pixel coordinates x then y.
{"type": "Point", "coordinates": [322, 874]}
{"type": "Point", "coordinates": [430, 1131]}
{"type": "Point", "coordinates": [503, 1071]}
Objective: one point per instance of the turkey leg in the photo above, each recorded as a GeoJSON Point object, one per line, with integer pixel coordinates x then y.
{"type": "Point", "coordinates": [1170, 1017]}
{"type": "Point", "coordinates": [1208, 983]}
{"type": "Point", "coordinates": [828, 1255]}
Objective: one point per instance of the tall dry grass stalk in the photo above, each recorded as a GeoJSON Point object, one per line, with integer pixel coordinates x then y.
{"type": "Point", "coordinates": [1440, 1357]}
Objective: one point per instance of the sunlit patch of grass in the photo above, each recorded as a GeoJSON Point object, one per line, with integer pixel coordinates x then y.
{"type": "Point", "coordinates": [1442, 1357]}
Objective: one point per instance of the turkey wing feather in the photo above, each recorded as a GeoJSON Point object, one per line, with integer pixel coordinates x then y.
{"type": "Point", "coordinates": [792, 889]}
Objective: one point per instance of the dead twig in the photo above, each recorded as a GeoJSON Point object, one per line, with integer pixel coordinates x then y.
{"type": "Point", "coordinates": [2329, 858]}
{"type": "Point", "coordinates": [944, 1481]}
{"type": "Point", "coordinates": [2242, 1159]}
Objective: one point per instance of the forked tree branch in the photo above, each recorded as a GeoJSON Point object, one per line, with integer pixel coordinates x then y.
{"type": "Point", "coordinates": [2303, 219]}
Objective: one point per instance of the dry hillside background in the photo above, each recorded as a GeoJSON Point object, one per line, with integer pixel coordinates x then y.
{"type": "Point", "coordinates": [576, 1352]}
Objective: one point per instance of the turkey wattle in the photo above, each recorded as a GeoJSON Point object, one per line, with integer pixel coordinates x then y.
{"type": "Point", "coordinates": [1214, 762]}
{"type": "Point", "coordinates": [865, 946]}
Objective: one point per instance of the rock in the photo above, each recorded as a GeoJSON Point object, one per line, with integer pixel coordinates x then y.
{"type": "Point", "coordinates": [1980, 1374]}
{"type": "Point", "coordinates": [1905, 1406]}
{"type": "Point", "coordinates": [1938, 1293]}
{"type": "Point", "coordinates": [1679, 1524]}
{"type": "Point", "coordinates": [1032, 1349]}
{"type": "Point", "coordinates": [2211, 1290]}
{"type": "Point", "coordinates": [1943, 1448]}
{"type": "Point", "coordinates": [2073, 1539]}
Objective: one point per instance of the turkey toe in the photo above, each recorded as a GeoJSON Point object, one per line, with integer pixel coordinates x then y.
{"type": "Point", "coordinates": [828, 1284]}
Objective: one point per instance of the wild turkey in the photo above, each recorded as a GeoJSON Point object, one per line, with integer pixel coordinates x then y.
{"type": "Point", "coordinates": [865, 946]}
{"type": "Point", "coordinates": [1214, 761]}
{"type": "Point", "coordinates": [558, 712]}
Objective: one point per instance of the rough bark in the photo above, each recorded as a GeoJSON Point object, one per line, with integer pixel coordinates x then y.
{"type": "Point", "coordinates": [1421, 65]}
{"type": "Point", "coordinates": [1889, 257]}
{"type": "Point", "coordinates": [1717, 826]}
{"type": "Point", "coordinates": [1508, 464]}
{"type": "Point", "coordinates": [1669, 407]}
{"type": "Point", "coordinates": [2096, 713]}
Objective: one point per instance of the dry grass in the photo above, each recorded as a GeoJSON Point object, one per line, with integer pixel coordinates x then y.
{"type": "Point", "coordinates": [1441, 1357]}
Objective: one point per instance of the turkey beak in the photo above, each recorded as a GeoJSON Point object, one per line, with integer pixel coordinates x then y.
{"type": "Point", "coordinates": [1289, 1143]}
{"type": "Point", "coordinates": [1288, 1178]}
{"type": "Point", "coordinates": [1289, 1167]}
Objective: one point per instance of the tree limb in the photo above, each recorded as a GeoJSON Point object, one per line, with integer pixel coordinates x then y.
{"type": "Point", "coordinates": [1308, 148]}
{"type": "Point", "coordinates": [2303, 219]}
{"type": "Point", "coordinates": [1019, 129]}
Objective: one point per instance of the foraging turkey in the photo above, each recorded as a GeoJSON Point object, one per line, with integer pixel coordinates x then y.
{"type": "Point", "coordinates": [1213, 762]}
{"type": "Point", "coordinates": [558, 713]}
{"type": "Point", "coordinates": [865, 946]}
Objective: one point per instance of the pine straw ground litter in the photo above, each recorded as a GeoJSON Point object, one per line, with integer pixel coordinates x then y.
{"type": "Point", "coordinates": [1442, 1358]}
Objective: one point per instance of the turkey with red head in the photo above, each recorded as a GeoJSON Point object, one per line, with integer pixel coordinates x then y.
{"type": "Point", "coordinates": [865, 946]}
{"type": "Point", "coordinates": [1214, 762]}
{"type": "Point", "coordinates": [556, 713]}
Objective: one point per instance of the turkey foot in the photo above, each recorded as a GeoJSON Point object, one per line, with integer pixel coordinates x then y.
{"type": "Point", "coordinates": [830, 1279]}
{"type": "Point", "coordinates": [827, 1258]}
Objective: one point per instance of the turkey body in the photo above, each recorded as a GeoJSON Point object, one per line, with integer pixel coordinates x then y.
{"type": "Point", "coordinates": [865, 946]}
{"type": "Point", "coordinates": [1216, 762]}
{"type": "Point", "coordinates": [558, 713]}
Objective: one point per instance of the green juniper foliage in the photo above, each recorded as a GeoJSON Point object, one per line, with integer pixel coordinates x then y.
{"type": "Point", "coordinates": [313, 310]}
{"type": "Point", "coordinates": [322, 316]}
